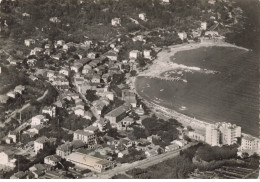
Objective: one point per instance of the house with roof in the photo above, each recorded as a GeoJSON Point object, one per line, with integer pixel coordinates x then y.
{"type": "Point", "coordinates": [116, 115]}
{"type": "Point", "coordinates": [152, 150]}
{"type": "Point", "coordinates": [40, 144]}
{"type": "Point", "coordinates": [37, 120]}
{"type": "Point", "coordinates": [76, 67]}
{"type": "Point", "coordinates": [11, 94]}
{"type": "Point", "coordinates": [125, 123]}
{"type": "Point", "coordinates": [92, 55]}
{"type": "Point", "coordinates": [57, 56]}
{"type": "Point", "coordinates": [29, 42]}
{"type": "Point", "coordinates": [112, 55]}
{"type": "Point", "coordinates": [36, 50]}
{"type": "Point", "coordinates": [99, 106]}
{"type": "Point", "coordinates": [7, 158]}
{"type": "Point", "coordinates": [147, 54]}
{"type": "Point", "coordinates": [52, 160]}
{"type": "Point", "coordinates": [172, 147]}
{"type": "Point", "coordinates": [129, 97]}
{"type": "Point", "coordinates": [102, 124]}
{"type": "Point", "coordinates": [203, 25]}
{"type": "Point", "coordinates": [38, 170]}
{"type": "Point", "coordinates": [134, 54]}
{"type": "Point", "coordinates": [37, 129]}
{"type": "Point", "coordinates": [86, 137]}
{"type": "Point", "coordinates": [65, 71]}
{"type": "Point", "coordinates": [142, 16]}
{"type": "Point", "coordinates": [182, 35]}
{"type": "Point", "coordinates": [181, 143]}
{"type": "Point", "coordinates": [50, 110]}
{"type": "Point", "coordinates": [13, 135]}
{"type": "Point", "coordinates": [19, 89]}
{"type": "Point", "coordinates": [96, 79]}
{"type": "Point", "coordinates": [116, 22]}
{"type": "Point", "coordinates": [4, 99]}
{"type": "Point", "coordinates": [91, 129]}
{"type": "Point", "coordinates": [64, 150]}
{"type": "Point", "coordinates": [123, 153]}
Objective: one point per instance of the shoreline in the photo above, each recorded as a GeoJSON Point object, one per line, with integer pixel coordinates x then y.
{"type": "Point", "coordinates": [162, 64]}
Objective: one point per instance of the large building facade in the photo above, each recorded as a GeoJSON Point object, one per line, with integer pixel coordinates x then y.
{"type": "Point", "coordinates": [222, 134]}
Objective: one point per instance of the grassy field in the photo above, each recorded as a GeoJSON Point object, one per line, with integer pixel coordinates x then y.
{"type": "Point", "coordinates": [230, 96]}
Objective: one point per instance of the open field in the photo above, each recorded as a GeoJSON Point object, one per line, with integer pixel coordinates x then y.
{"type": "Point", "coordinates": [229, 94]}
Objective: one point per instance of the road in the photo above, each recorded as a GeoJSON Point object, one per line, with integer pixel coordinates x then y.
{"type": "Point", "coordinates": [13, 114]}
{"type": "Point", "coordinates": [139, 164]}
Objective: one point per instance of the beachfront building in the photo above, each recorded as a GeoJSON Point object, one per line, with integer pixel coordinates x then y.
{"type": "Point", "coordinates": [250, 143]}
{"type": "Point", "coordinates": [197, 135]}
{"type": "Point", "coordinates": [229, 133]}
{"type": "Point", "coordinates": [222, 134]}
{"type": "Point", "coordinates": [212, 135]}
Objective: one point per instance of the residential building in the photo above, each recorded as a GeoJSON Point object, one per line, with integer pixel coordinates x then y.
{"type": "Point", "coordinates": [64, 150]}
{"type": "Point", "coordinates": [182, 35]}
{"type": "Point", "coordinates": [197, 135]}
{"type": "Point", "coordinates": [86, 137]}
{"type": "Point", "coordinates": [172, 147]}
{"type": "Point", "coordinates": [250, 143]}
{"type": "Point", "coordinates": [147, 54]}
{"type": "Point", "coordinates": [29, 42]}
{"type": "Point", "coordinates": [134, 54]}
{"type": "Point", "coordinates": [37, 120]}
{"type": "Point", "coordinates": [142, 16]}
{"type": "Point", "coordinates": [112, 55]}
{"type": "Point", "coordinates": [203, 26]}
{"type": "Point", "coordinates": [4, 99]}
{"type": "Point", "coordinates": [229, 133]}
{"type": "Point", "coordinates": [52, 160]}
{"type": "Point", "coordinates": [129, 97]}
{"type": "Point", "coordinates": [11, 94]}
{"type": "Point", "coordinates": [19, 175]}
{"type": "Point", "coordinates": [50, 110]}
{"type": "Point", "coordinates": [7, 158]}
{"type": "Point", "coordinates": [19, 89]}
{"type": "Point", "coordinates": [40, 144]}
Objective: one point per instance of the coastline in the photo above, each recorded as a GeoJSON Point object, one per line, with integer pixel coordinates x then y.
{"type": "Point", "coordinates": [162, 64]}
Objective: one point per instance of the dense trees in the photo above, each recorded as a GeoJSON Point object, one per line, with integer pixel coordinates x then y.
{"type": "Point", "coordinates": [165, 129]}
{"type": "Point", "coordinates": [208, 153]}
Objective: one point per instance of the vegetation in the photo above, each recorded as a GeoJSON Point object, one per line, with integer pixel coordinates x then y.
{"type": "Point", "coordinates": [166, 130]}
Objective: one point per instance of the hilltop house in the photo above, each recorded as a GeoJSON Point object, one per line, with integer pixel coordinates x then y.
{"type": "Point", "coordinates": [142, 16]}
{"type": "Point", "coordinates": [29, 42]}
{"type": "Point", "coordinates": [115, 21]}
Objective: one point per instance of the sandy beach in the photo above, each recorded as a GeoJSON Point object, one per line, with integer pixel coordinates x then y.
{"type": "Point", "coordinates": [163, 63]}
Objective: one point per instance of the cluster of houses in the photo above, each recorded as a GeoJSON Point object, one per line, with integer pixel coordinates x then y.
{"type": "Point", "coordinates": [18, 90]}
